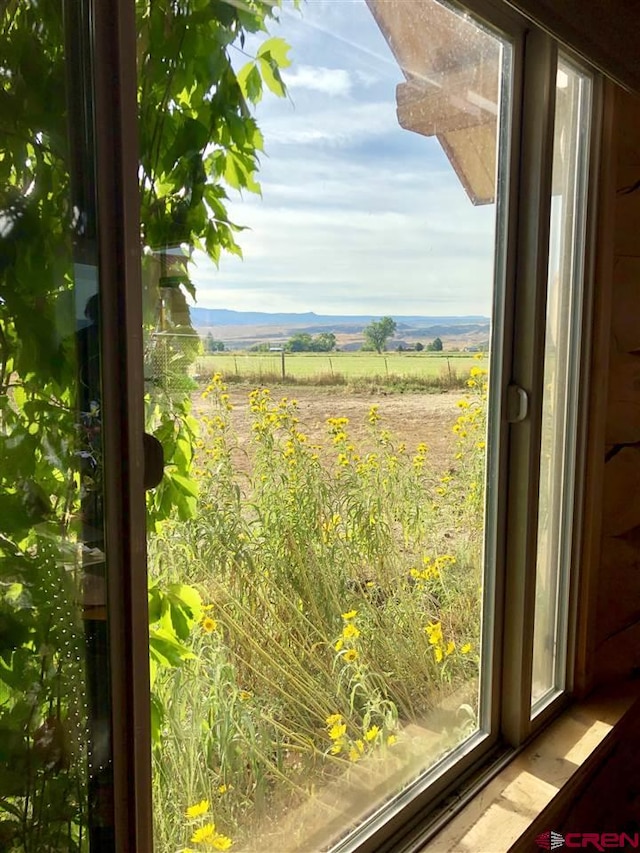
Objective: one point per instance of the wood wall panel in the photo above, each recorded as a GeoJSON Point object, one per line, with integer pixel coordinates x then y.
{"type": "Point", "coordinates": [617, 624]}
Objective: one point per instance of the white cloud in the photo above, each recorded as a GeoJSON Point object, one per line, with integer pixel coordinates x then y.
{"type": "Point", "coordinates": [357, 216]}
{"type": "Point", "coordinates": [335, 82]}
{"type": "Point", "coordinates": [333, 177]}
{"type": "Point", "coordinates": [433, 257]}
{"type": "Point", "coordinates": [347, 125]}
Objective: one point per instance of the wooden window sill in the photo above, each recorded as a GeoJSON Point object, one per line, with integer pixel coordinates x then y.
{"type": "Point", "coordinates": [534, 791]}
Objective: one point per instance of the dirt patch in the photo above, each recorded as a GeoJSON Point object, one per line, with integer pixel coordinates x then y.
{"type": "Point", "coordinates": [411, 417]}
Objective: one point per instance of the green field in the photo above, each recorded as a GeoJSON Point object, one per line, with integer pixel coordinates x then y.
{"type": "Point", "coordinates": [348, 365]}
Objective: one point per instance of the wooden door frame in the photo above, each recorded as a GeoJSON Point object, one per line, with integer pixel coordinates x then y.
{"type": "Point", "coordinates": [117, 157]}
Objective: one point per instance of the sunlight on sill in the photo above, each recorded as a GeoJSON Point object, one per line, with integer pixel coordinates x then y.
{"type": "Point", "coordinates": [540, 781]}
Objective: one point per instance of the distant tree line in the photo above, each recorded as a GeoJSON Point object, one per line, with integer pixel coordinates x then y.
{"type": "Point", "coordinates": [304, 342]}
{"type": "Point", "coordinates": [435, 346]}
{"type": "Point", "coordinates": [376, 336]}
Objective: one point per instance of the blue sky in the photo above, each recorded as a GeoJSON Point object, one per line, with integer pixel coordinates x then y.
{"type": "Point", "coordinates": [357, 215]}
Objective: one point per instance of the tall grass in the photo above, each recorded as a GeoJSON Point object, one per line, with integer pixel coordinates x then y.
{"type": "Point", "coordinates": [342, 595]}
{"type": "Point", "coordinates": [445, 380]}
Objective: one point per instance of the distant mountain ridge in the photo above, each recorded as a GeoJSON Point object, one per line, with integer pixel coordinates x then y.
{"type": "Point", "coordinates": [205, 317]}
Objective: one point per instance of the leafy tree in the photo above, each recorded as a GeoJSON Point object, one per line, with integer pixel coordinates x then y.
{"type": "Point", "coordinates": [435, 345]}
{"type": "Point", "coordinates": [419, 346]}
{"type": "Point", "coordinates": [212, 345]}
{"type": "Point", "coordinates": [324, 342]}
{"type": "Point", "coordinates": [300, 342]}
{"type": "Point", "coordinates": [304, 342]}
{"type": "Point", "coordinates": [378, 332]}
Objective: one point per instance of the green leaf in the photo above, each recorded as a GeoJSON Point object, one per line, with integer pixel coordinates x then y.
{"type": "Point", "coordinates": [185, 506]}
{"type": "Point", "coordinates": [254, 137]}
{"type": "Point", "coordinates": [189, 487]}
{"type": "Point", "coordinates": [278, 49]}
{"type": "Point", "coordinates": [166, 650]}
{"type": "Point", "coordinates": [19, 396]}
{"type": "Point", "coordinates": [185, 609]}
{"type": "Point", "coordinates": [250, 82]}
{"type": "Point", "coordinates": [155, 604]}
{"type": "Point", "coordinates": [189, 597]}
{"type": "Point", "coordinates": [153, 671]}
{"type": "Point", "coordinates": [157, 719]}
{"type": "Point", "coordinates": [239, 174]}
{"type": "Point", "coordinates": [183, 453]}
{"type": "Point", "coordinates": [271, 76]}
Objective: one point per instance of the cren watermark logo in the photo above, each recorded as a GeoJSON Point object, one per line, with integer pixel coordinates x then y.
{"type": "Point", "coordinates": [551, 840]}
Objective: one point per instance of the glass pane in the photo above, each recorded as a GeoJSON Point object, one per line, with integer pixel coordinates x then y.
{"type": "Point", "coordinates": [561, 379]}
{"type": "Point", "coordinates": [318, 541]}
{"type": "Point", "coordinates": [55, 753]}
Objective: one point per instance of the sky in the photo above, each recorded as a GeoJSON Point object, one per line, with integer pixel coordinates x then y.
{"type": "Point", "coordinates": [357, 215]}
